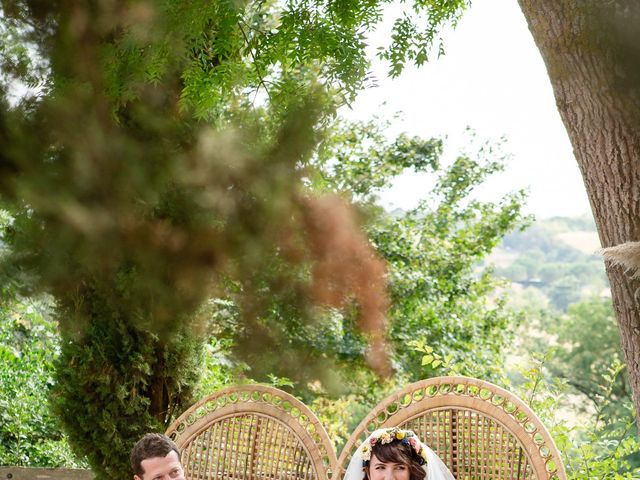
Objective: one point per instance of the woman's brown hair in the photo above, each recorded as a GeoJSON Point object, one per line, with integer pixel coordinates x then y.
{"type": "Point", "coordinates": [398, 452]}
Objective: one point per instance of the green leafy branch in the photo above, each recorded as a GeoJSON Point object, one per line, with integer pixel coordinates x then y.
{"type": "Point", "coordinates": [434, 360]}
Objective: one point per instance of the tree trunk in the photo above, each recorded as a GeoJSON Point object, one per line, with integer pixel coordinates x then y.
{"type": "Point", "coordinates": [590, 50]}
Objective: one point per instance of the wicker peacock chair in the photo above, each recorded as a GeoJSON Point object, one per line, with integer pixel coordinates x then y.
{"type": "Point", "coordinates": [481, 431]}
{"type": "Point", "coordinates": [252, 432]}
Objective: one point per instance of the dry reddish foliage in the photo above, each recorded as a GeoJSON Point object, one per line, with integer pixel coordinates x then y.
{"type": "Point", "coordinates": [346, 267]}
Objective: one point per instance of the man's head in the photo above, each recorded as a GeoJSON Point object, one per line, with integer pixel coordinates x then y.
{"type": "Point", "coordinates": [156, 457]}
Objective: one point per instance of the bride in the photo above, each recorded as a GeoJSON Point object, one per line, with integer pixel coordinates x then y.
{"type": "Point", "coordinates": [396, 454]}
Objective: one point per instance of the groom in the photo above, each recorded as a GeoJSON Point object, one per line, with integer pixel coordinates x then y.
{"type": "Point", "coordinates": [156, 457]}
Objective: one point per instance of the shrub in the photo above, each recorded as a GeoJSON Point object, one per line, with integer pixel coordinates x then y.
{"type": "Point", "coordinates": [29, 435]}
{"type": "Point", "coordinates": [603, 445]}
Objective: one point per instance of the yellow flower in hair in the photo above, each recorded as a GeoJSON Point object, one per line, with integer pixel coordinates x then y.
{"type": "Point", "coordinates": [423, 454]}
{"type": "Point", "coordinates": [400, 435]}
{"type": "Point", "coordinates": [385, 438]}
{"type": "Point", "coordinates": [365, 451]}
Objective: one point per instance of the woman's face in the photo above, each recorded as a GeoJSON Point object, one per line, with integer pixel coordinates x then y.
{"type": "Point", "coordinates": [379, 470]}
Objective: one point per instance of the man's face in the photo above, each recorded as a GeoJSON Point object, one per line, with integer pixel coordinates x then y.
{"type": "Point", "coordinates": [162, 468]}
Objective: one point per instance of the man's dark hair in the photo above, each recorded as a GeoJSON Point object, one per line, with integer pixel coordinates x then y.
{"type": "Point", "coordinates": [398, 452]}
{"type": "Point", "coordinates": [150, 446]}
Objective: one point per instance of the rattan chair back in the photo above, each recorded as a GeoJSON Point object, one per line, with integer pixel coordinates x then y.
{"type": "Point", "coordinates": [252, 432]}
{"type": "Point", "coordinates": [480, 431]}
{"type": "Point", "coordinates": [256, 432]}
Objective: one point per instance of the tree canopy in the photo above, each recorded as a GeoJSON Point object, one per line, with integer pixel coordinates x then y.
{"type": "Point", "coordinates": [159, 150]}
{"type": "Point", "coordinates": [175, 179]}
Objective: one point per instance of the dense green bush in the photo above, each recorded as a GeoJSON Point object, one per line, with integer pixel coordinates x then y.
{"type": "Point", "coordinates": [29, 345]}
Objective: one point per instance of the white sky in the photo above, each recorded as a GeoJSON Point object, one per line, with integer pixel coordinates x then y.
{"type": "Point", "coordinates": [493, 80]}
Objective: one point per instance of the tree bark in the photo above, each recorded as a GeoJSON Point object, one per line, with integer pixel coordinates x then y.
{"type": "Point", "coordinates": [587, 48]}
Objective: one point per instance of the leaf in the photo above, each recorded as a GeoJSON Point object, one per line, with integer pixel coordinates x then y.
{"type": "Point", "coordinates": [427, 359]}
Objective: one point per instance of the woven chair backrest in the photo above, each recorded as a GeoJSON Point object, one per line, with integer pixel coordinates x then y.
{"type": "Point", "coordinates": [480, 431]}
{"type": "Point", "coordinates": [252, 432]}
{"type": "Point", "coordinates": [255, 432]}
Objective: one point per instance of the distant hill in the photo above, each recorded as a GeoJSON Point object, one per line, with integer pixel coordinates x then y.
{"type": "Point", "coordinates": [557, 257]}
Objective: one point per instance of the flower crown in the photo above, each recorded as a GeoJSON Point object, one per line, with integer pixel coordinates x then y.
{"type": "Point", "coordinates": [388, 435]}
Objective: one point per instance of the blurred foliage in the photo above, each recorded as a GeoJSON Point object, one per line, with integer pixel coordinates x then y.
{"type": "Point", "coordinates": [438, 293]}
{"type": "Point", "coordinates": [152, 151]}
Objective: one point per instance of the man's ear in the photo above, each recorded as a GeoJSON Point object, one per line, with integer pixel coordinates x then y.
{"type": "Point", "coordinates": [136, 477]}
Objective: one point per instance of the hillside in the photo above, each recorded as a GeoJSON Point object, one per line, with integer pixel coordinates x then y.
{"type": "Point", "coordinates": [557, 257]}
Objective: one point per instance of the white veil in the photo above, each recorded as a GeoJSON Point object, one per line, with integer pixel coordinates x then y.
{"type": "Point", "coordinates": [435, 468]}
